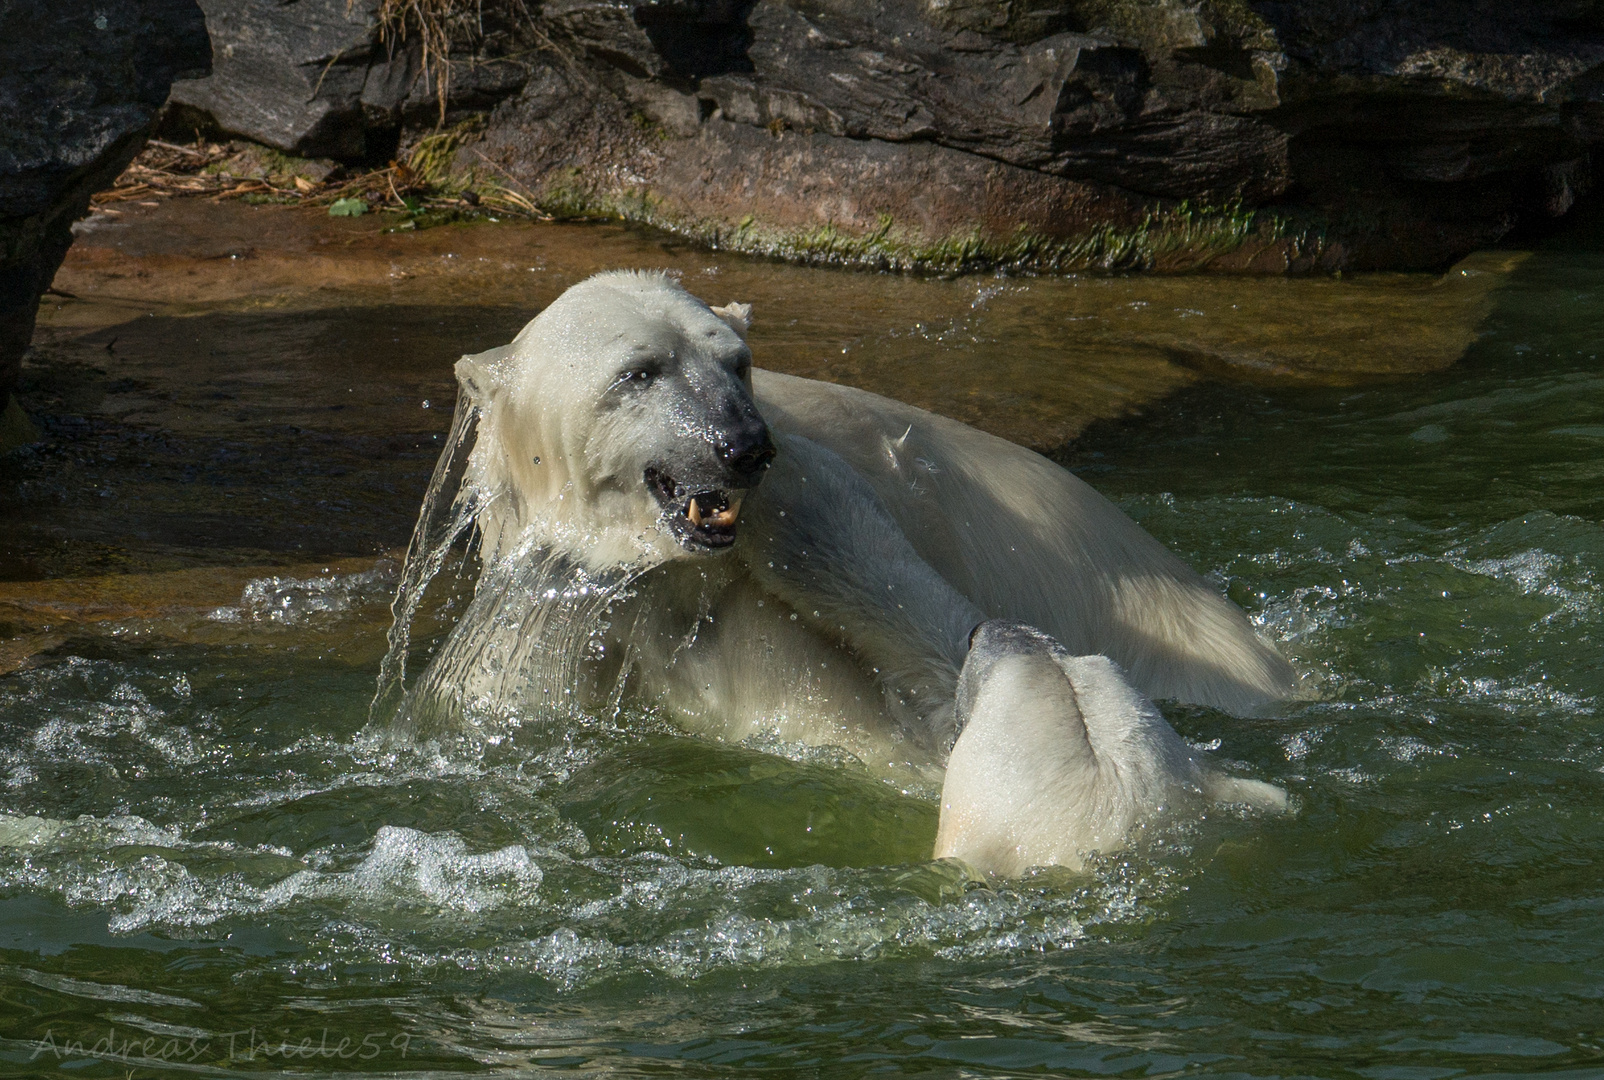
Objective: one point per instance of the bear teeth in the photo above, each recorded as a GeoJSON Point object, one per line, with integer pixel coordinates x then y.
{"type": "Point", "coordinates": [712, 509]}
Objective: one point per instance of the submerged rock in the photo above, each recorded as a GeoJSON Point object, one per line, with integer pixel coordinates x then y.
{"type": "Point", "coordinates": [79, 87]}
{"type": "Point", "coordinates": [1030, 360]}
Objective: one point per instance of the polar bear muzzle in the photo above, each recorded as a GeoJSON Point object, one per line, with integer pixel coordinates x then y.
{"type": "Point", "coordinates": [702, 516]}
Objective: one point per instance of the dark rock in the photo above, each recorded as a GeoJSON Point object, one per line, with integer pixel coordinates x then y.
{"type": "Point", "coordinates": [319, 78]}
{"type": "Point", "coordinates": [1253, 134]}
{"type": "Point", "coordinates": [292, 75]}
{"type": "Point", "coordinates": [80, 86]}
{"type": "Point", "coordinates": [585, 147]}
{"type": "Point", "coordinates": [1243, 134]}
{"type": "Point", "coordinates": [1074, 105]}
{"type": "Point", "coordinates": [676, 39]}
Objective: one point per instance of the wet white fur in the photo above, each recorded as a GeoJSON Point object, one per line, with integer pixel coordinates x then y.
{"type": "Point", "coordinates": [1060, 757]}
{"type": "Point", "coordinates": [545, 458]}
{"type": "Point", "coordinates": [1023, 538]}
{"type": "Point", "coordinates": [1013, 534]}
{"type": "Point", "coordinates": [900, 529]}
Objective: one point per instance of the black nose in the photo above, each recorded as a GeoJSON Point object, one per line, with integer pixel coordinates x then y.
{"type": "Point", "coordinates": [749, 455]}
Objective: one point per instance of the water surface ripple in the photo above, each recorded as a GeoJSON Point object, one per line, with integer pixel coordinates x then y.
{"type": "Point", "coordinates": [205, 856]}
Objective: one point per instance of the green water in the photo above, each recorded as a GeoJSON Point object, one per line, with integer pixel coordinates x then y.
{"type": "Point", "coordinates": [228, 874]}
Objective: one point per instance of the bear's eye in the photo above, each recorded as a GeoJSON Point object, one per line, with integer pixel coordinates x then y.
{"type": "Point", "coordinates": [637, 377]}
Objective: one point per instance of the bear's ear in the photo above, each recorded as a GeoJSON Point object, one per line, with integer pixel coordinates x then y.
{"type": "Point", "coordinates": [737, 316]}
{"type": "Point", "coordinates": [475, 380]}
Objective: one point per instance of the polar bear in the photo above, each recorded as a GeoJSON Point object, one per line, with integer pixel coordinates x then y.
{"type": "Point", "coordinates": [1058, 756]}
{"type": "Point", "coordinates": [753, 553]}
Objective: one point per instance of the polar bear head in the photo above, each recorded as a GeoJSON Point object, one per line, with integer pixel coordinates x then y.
{"type": "Point", "coordinates": [1059, 755]}
{"type": "Point", "coordinates": [618, 426]}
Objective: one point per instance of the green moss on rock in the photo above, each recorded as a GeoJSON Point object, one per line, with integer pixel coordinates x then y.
{"type": "Point", "coordinates": [1173, 238]}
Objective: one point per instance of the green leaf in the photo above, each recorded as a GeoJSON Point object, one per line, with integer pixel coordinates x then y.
{"type": "Point", "coordinates": [348, 208]}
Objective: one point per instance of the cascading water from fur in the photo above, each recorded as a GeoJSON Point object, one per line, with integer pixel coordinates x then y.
{"type": "Point", "coordinates": [531, 644]}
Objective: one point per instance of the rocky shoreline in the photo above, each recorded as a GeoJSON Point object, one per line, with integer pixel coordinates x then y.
{"type": "Point", "coordinates": [1263, 136]}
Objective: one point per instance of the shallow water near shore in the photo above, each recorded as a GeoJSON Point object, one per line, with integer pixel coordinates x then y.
{"type": "Point", "coordinates": [208, 864]}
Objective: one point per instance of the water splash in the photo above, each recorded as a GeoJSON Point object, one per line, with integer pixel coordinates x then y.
{"type": "Point", "coordinates": [409, 866]}
{"type": "Point", "coordinates": [441, 524]}
{"type": "Point", "coordinates": [289, 601]}
{"type": "Point", "coordinates": [531, 643]}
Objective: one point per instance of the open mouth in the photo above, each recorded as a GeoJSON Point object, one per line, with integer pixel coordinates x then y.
{"type": "Point", "coordinates": [698, 518]}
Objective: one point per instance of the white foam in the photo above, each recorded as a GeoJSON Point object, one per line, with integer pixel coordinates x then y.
{"type": "Point", "coordinates": [28, 831]}
{"type": "Point", "coordinates": [433, 868]}
{"type": "Point", "coordinates": [296, 601]}
{"type": "Point", "coordinates": [1407, 748]}
{"type": "Point", "coordinates": [93, 712]}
